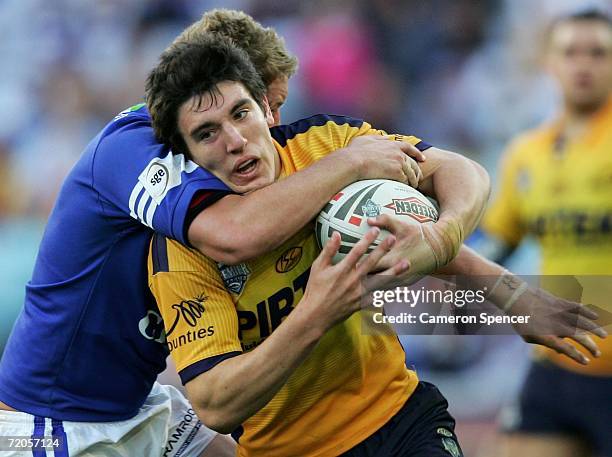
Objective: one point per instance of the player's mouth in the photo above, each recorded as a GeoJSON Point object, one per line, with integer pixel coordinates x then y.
{"type": "Point", "coordinates": [246, 168]}
{"type": "Point", "coordinates": [583, 81]}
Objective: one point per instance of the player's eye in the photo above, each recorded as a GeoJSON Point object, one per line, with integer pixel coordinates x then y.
{"type": "Point", "coordinates": [206, 135]}
{"type": "Point", "coordinates": [241, 114]}
{"type": "Point", "coordinates": [570, 52]}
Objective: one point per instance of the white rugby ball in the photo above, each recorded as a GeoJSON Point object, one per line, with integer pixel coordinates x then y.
{"type": "Point", "coordinates": [348, 210]}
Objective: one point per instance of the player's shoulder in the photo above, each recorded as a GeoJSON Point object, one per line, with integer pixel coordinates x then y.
{"type": "Point", "coordinates": [323, 122]}
{"type": "Point", "coordinates": [128, 129]}
{"type": "Point", "coordinates": [126, 144]}
{"type": "Point", "coordinates": [127, 150]}
{"type": "Point", "coordinates": [170, 256]}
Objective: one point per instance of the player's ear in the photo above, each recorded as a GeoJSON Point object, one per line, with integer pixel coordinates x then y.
{"type": "Point", "coordinates": [268, 112]}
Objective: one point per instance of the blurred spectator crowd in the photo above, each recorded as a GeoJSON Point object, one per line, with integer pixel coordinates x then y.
{"type": "Point", "coordinates": [461, 74]}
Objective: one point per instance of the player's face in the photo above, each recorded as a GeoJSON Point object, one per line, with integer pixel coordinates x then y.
{"type": "Point", "coordinates": [277, 94]}
{"type": "Point", "coordinates": [581, 60]}
{"type": "Point", "coordinates": [227, 133]}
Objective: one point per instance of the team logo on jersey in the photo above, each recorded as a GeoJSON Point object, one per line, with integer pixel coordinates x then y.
{"type": "Point", "coordinates": [370, 209]}
{"type": "Point", "coordinates": [289, 259]}
{"type": "Point", "coordinates": [414, 208]}
{"type": "Point", "coordinates": [234, 276]}
{"type": "Point", "coordinates": [152, 327]}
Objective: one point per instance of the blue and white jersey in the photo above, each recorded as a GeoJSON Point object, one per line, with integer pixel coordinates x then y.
{"type": "Point", "coordinates": [89, 342]}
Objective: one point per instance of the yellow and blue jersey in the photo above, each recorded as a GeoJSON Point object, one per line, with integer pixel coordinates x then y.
{"type": "Point", "coordinates": [351, 383]}
{"type": "Point", "coordinates": [561, 193]}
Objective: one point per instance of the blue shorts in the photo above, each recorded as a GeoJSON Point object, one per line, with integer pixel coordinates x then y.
{"type": "Point", "coordinates": [422, 428]}
{"type": "Point", "coordinates": [558, 401]}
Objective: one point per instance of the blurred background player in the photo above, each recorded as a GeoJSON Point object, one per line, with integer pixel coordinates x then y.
{"type": "Point", "coordinates": [556, 184]}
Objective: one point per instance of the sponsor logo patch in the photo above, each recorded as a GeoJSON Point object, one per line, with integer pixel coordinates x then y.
{"type": "Point", "coordinates": [189, 314]}
{"type": "Point", "coordinates": [188, 311]}
{"type": "Point", "coordinates": [152, 327]}
{"type": "Point", "coordinates": [414, 208]}
{"type": "Point", "coordinates": [157, 179]}
{"type": "Point", "coordinates": [185, 431]}
{"type": "Point", "coordinates": [289, 259]}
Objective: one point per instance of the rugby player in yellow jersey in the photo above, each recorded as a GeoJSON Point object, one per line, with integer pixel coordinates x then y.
{"type": "Point", "coordinates": [556, 184]}
{"type": "Point", "coordinates": [230, 388]}
{"type": "Point", "coordinates": [222, 126]}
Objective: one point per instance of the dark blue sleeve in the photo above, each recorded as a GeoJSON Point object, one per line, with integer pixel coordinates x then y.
{"type": "Point", "coordinates": [135, 175]}
{"type": "Point", "coordinates": [195, 369]}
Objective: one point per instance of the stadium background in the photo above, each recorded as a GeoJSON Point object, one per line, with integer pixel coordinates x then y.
{"type": "Point", "coordinates": [462, 74]}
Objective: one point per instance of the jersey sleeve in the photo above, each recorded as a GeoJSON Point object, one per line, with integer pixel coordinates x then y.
{"type": "Point", "coordinates": [328, 132]}
{"type": "Point", "coordinates": [136, 176]}
{"type": "Point", "coordinates": [502, 219]}
{"type": "Point", "coordinates": [367, 129]}
{"type": "Point", "coordinates": [199, 315]}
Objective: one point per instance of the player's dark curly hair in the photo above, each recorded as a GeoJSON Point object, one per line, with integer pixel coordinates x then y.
{"type": "Point", "coordinates": [188, 69]}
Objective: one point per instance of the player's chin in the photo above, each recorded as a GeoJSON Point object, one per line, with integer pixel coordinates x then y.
{"type": "Point", "coordinates": [243, 186]}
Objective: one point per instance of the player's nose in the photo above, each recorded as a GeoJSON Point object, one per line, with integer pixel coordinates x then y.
{"type": "Point", "coordinates": [235, 140]}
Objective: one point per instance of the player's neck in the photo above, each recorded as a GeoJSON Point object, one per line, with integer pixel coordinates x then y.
{"type": "Point", "coordinates": [576, 119]}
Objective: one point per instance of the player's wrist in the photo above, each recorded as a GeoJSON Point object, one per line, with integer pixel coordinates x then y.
{"type": "Point", "coordinates": [445, 238]}
{"type": "Point", "coordinates": [310, 318]}
{"type": "Point", "coordinates": [349, 165]}
{"type": "Point", "coordinates": [507, 290]}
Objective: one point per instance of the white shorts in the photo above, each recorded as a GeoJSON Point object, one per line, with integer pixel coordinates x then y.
{"type": "Point", "coordinates": [165, 426]}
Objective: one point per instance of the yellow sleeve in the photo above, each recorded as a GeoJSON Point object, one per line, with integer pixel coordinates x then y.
{"type": "Point", "coordinates": [502, 218]}
{"type": "Point", "coordinates": [199, 315]}
{"type": "Point", "coordinates": [367, 129]}
{"type": "Point", "coordinates": [305, 142]}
